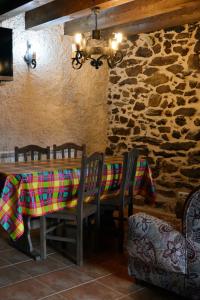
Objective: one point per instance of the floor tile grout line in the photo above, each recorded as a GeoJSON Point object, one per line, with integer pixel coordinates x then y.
{"type": "Point", "coordinates": [6, 250]}
{"type": "Point", "coordinates": [57, 260]}
{"type": "Point", "coordinates": [22, 271]}
{"type": "Point", "coordinates": [24, 261]}
{"type": "Point", "coordinates": [104, 285]}
{"type": "Point", "coordinates": [36, 276]}
{"type": "Point", "coordinates": [13, 248]}
{"type": "Point", "coordinates": [133, 293]}
{"type": "Point", "coordinates": [49, 272]}
{"type": "Point", "coordinates": [59, 269]}
{"type": "Point", "coordinates": [32, 277]}
{"type": "Point", "coordinates": [13, 283]}
{"type": "Point", "coordinates": [5, 266]}
{"type": "Point", "coordinates": [75, 286]}
{"type": "Point", "coordinates": [15, 264]}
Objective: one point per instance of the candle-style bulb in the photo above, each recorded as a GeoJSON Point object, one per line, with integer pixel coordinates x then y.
{"type": "Point", "coordinates": [114, 45]}
{"type": "Point", "coordinates": [78, 38]}
{"type": "Point", "coordinates": [118, 37]}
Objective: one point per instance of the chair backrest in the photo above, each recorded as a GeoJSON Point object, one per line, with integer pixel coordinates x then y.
{"type": "Point", "coordinates": [128, 173]}
{"type": "Point", "coordinates": [33, 151]}
{"type": "Point", "coordinates": [90, 178]}
{"type": "Point", "coordinates": [191, 216]}
{"type": "Point", "coordinates": [69, 150]}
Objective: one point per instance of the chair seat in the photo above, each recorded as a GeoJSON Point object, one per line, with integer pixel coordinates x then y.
{"type": "Point", "coordinates": [71, 213]}
{"type": "Point", "coordinates": [112, 202]}
{"type": "Point", "coordinates": [109, 195]}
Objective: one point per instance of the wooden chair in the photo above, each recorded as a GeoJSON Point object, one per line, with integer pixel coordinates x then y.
{"type": "Point", "coordinates": [90, 186]}
{"type": "Point", "coordinates": [33, 151]}
{"type": "Point", "coordinates": [118, 202]}
{"type": "Point", "coordinates": [30, 152]}
{"type": "Point", "coordinates": [69, 150]}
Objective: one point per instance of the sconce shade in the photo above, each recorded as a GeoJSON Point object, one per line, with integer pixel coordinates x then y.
{"type": "Point", "coordinates": [30, 57]}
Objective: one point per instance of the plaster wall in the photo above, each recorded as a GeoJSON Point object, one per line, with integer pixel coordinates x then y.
{"type": "Point", "coordinates": [52, 103]}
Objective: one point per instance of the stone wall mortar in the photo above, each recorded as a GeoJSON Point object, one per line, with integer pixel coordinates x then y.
{"type": "Point", "coordinates": [154, 103]}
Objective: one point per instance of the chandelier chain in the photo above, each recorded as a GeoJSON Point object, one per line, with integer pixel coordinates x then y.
{"type": "Point", "coordinates": [96, 20]}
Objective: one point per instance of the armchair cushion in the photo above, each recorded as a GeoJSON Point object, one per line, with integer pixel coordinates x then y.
{"type": "Point", "coordinates": [156, 242]}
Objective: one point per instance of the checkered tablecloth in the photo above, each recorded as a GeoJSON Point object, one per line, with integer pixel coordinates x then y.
{"type": "Point", "coordinates": [39, 192]}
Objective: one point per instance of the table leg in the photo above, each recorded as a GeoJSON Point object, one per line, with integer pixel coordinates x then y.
{"type": "Point", "coordinates": [24, 243]}
{"type": "Point", "coordinates": [43, 244]}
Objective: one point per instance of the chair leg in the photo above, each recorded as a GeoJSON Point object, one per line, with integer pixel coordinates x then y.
{"type": "Point", "coordinates": [43, 246]}
{"type": "Point", "coordinates": [97, 230]}
{"type": "Point", "coordinates": [24, 243]}
{"type": "Point", "coordinates": [130, 208]}
{"type": "Point", "coordinates": [79, 244]}
{"type": "Point", "coordinates": [121, 232]}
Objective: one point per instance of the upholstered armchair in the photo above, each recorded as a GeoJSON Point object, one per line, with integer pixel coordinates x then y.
{"type": "Point", "coordinates": [165, 257]}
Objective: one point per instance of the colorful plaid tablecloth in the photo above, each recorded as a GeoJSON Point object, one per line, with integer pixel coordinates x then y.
{"type": "Point", "coordinates": [37, 193]}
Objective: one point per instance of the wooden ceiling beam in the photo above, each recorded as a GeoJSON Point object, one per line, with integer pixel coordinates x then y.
{"type": "Point", "coordinates": [60, 11]}
{"type": "Point", "coordinates": [182, 16]}
{"type": "Point", "coordinates": [10, 8]}
{"type": "Point", "coordinates": [137, 12]}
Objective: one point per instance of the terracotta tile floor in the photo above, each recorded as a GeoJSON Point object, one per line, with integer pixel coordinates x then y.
{"type": "Point", "coordinates": [103, 277]}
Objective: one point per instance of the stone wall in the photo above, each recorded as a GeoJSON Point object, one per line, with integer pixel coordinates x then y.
{"type": "Point", "coordinates": [52, 103]}
{"type": "Point", "coordinates": [154, 103]}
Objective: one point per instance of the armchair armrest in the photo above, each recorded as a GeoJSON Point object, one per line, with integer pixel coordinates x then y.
{"type": "Point", "coordinates": [156, 242]}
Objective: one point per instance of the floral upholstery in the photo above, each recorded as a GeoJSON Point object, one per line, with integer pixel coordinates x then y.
{"type": "Point", "coordinates": [156, 242]}
{"type": "Point", "coordinates": [165, 257]}
{"type": "Point", "coordinates": [191, 230]}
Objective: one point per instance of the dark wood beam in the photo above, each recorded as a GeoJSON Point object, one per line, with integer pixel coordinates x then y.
{"type": "Point", "coordinates": [137, 12]}
{"type": "Point", "coordinates": [10, 8]}
{"type": "Point", "coordinates": [182, 16]}
{"type": "Point", "coordinates": [60, 11]}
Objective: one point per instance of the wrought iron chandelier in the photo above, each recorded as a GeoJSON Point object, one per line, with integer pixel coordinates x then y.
{"type": "Point", "coordinates": [95, 48]}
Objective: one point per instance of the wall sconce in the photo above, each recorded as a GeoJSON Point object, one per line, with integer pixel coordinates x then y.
{"type": "Point", "coordinates": [30, 57]}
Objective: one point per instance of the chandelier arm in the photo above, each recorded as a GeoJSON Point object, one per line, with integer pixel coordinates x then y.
{"type": "Point", "coordinates": [77, 61]}
{"type": "Point", "coordinates": [76, 64]}
{"type": "Point", "coordinates": [101, 57]}
{"type": "Point", "coordinates": [87, 51]}
{"type": "Point", "coordinates": [81, 56]}
{"type": "Point", "coordinates": [118, 56]}
{"type": "Point", "coordinates": [97, 62]}
{"type": "Point", "coordinates": [114, 60]}
{"type": "Point", "coordinates": [110, 63]}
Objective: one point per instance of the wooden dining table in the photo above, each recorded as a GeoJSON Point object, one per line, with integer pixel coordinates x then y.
{"type": "Point", "coordinates": [36, 188]}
